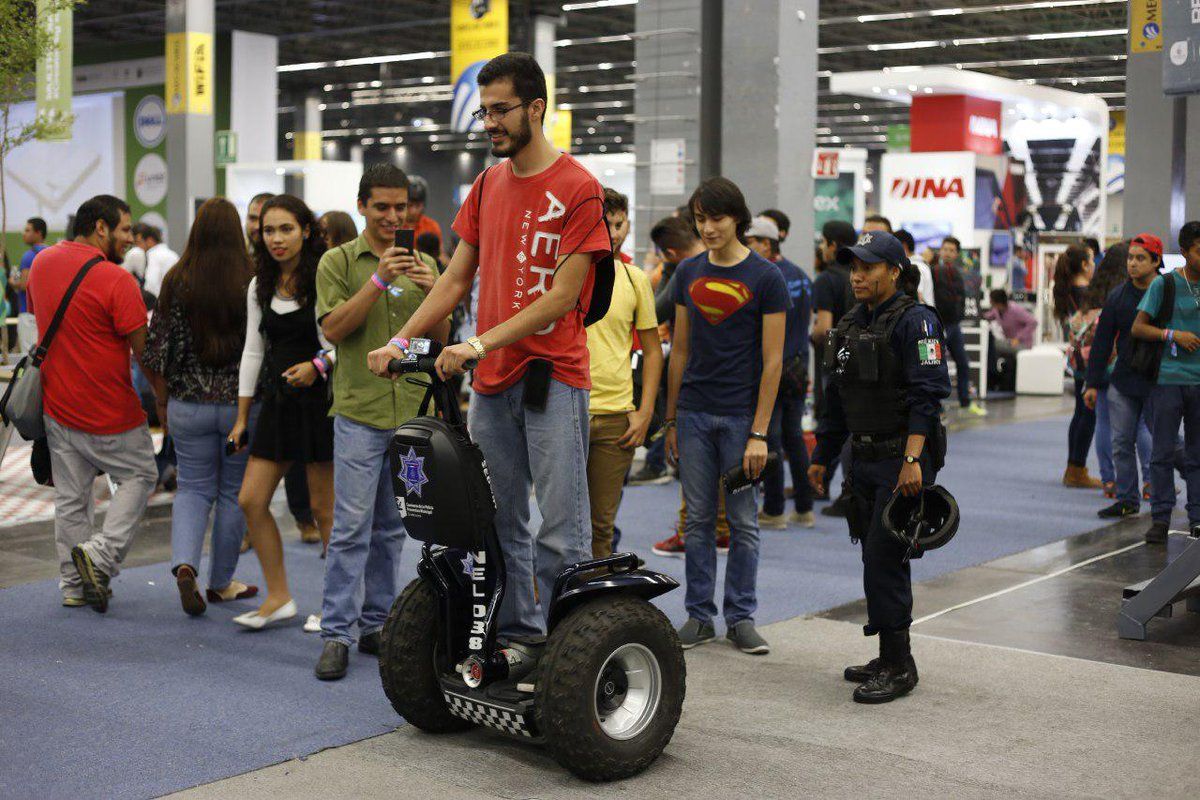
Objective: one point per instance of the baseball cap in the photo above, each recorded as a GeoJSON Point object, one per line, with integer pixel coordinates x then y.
{"type": "Point", "coordinates": [763, 228]}
{"type": "Point", "coordinates": [874, 247]}
{"type": "Point", "coordinates": [1150, 242]}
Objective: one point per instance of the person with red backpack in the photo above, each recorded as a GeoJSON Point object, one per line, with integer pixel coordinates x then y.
{"type": "Point", "coordinates": [533, 228]}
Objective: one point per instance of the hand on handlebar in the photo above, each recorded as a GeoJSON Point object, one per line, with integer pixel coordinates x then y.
{"type": "Point", "coordinates": [377, 360]}
{"type": "Point", "coordinates": [454, 360]}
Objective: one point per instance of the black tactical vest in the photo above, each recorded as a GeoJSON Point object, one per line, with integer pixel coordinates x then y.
{"type": "Point", "coordinates": [868, 372]}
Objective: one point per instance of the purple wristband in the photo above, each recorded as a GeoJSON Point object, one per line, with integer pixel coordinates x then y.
{"type": "Point", "coordinates": [399, 344]}
{"type": "Point", "coordinates": [1170, 335]}
{"type": "Point", "coordinates": [319, 363]}
{"type": "Point", "coordinates": [378, 281]}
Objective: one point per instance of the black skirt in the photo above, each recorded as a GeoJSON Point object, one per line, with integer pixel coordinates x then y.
{"type": "Point", "coordinates": [294, 426]}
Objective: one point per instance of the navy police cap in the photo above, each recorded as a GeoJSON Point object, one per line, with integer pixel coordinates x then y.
{"type": "Point", "coordinates": [874, 247]}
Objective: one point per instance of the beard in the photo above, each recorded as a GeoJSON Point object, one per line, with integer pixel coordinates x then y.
{"type": "Point", "coordinates": [113, 253]}
{"type": "Point", "coordinates": [517, 140]}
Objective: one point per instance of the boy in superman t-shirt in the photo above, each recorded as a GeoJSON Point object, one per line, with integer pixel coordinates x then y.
{"type": "Point", "coordinates": [730, 309]}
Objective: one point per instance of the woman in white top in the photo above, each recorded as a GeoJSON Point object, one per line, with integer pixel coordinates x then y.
{"type": "Point", "coordinates": [286, 362]}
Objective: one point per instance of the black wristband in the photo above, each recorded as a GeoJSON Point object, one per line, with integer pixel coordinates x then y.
{"type": "Point", "coordinates": [762, 437]}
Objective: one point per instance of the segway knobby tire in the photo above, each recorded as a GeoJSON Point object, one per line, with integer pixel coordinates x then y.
{"type": "Point", "coordinates": [407, 664]}
{"type": "Point", "coordinates": [574, 672]}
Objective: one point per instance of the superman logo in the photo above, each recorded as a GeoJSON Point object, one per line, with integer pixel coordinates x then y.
{"type": "Point", "coordinates": [718, 298]}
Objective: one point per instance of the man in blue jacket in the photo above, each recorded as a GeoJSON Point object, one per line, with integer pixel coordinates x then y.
{"type": "Point", "coordinates": [1128, 392]}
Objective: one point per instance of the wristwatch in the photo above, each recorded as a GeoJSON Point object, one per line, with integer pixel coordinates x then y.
{"type": "Point", "coordinates": [911, 459]}
{"type": "Point", "coordinates": [762, 437]}
{"type": "Point", "coordinates": [477, 346]}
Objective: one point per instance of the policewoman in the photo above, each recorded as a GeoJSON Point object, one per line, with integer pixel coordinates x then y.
{"type": "Point", "coordinates": [888, 377]}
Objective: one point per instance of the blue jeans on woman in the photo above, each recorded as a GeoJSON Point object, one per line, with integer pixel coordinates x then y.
{"type": "Point", "coordinates": [1081, 429]}
{"type": "Point", "coordinates": [708, 446]}
{"type": "Point", "coordinates": [1102, 440]}
{"type": "Point", "coordinates": [207, 477]}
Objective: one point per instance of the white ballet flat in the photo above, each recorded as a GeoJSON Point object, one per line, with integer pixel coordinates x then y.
{"type": "Point", "coordinates": [255, 621]}
{"type": "Point", "coordinates": [313, 624]}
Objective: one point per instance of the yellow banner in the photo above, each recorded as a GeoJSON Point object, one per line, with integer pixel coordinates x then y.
{"type": "Point", "coordinates": [478, 33]}
{"type": "Point", "coordinates": [306, 146]}
{"type": "Point", "coordinates": [1145, 26]}
{"type": "Point", "coordinates": [189, 73]}
{"type": "Point", "coordinates": [1116, 133]}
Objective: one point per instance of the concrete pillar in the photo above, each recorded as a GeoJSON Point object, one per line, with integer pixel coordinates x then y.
{"type": "Point", "coordinates": [1150, 141]}
{"type": "Point", "coordinates": [735, 83]}
{"type": "Point", "coordinates": [190, 131]}
{"type": "Point", "coordinates": [769, 109]}
{"type": "Point", "coordinates": [667, 107]}
{"type": "Point", "coordinates": [306, 138]}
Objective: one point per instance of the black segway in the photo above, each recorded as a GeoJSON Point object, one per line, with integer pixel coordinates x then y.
{"type": "Point", "coordinates": [603, 690]}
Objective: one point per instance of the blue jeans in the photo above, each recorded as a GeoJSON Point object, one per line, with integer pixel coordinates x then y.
{"type": "Point", "coordinates": [545, 450]}
{"type": "Point", "coordinates": [708, 446]}
{"type": "Point", "coordinates": [962, 364]}
{"type": "Point", "coordinates": [656, 454]}
{"type": "Point", "coordinates": [206, 477]}
{"type": "Point", "coordinates": [368, 534]}
{"type": "Point", "coordinates": [1172, 405]}
{"type": "Point", "coordinates": [786, 437]}
{"type": "Point", "coordinates": [1081, 429]}
{"type": "Point", "coordinates": [1131, 441]}
{"type": "Point", "coordinates": [1102, 440]}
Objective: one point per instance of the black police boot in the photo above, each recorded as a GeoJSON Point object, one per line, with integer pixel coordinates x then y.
{"type": "Point", "coordinates": [898, 674]}
{"type": "Point", "coordinates": [864, 672]}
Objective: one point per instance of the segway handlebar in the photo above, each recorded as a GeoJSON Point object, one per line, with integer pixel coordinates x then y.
{"type": "Point", "coordinates": [422, 357]}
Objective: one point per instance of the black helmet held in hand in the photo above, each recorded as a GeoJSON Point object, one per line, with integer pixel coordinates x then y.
{"type": "Point", "coordinates": [925, 522]}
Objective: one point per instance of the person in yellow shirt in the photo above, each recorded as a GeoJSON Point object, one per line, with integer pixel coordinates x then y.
{"type": "Point", "coordinates": [616, 427]}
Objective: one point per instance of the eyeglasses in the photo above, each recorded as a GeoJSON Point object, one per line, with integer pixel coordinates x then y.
{"type": "Point", "coordinates": [494, 114]}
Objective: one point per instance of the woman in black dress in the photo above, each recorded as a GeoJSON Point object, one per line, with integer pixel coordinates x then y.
{"type": "Point", "coordinates": [287, 361]}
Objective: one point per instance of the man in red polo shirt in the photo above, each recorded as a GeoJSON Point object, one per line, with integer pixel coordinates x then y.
{"type": "Point", "coordinates": [533, 226]}
{"type": "Point", "coordinates": [94, 421]}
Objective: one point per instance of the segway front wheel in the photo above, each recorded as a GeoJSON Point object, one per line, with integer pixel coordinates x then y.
{"type": "Point", "coordinates": [610, 688]}
{"type": "Point", "coordinates": [408, 661]}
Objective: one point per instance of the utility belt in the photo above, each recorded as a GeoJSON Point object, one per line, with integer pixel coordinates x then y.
{"type": "Point", "coordinates": [877, 447]}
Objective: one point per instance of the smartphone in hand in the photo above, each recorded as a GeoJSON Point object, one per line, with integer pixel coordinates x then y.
{"type": "Point", "coordinates": [232, 447]}
{"type": "Point", "coordinates": [406, 239]}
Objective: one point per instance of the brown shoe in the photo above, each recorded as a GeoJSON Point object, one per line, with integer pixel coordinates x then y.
{"type": "Point", "coordinates": [309, 533]}
{"type": "Point", "coordinates": [189, 593]}
{"type": "Point", "coordinates": [1079, 478]}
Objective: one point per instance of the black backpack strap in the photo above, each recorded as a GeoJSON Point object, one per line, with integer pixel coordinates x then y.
{"type": "Point", "coordinates": [896, 313]}
{"type": "Point", "coordinates": [602, 288]}
{"type": "Point", "coordinates": [1167, 308]}
{"type": "Point", "coordinates": [39, 352]}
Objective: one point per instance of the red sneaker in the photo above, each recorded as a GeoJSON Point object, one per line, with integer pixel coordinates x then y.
{"type": "Point", "coordinates": [671, 547]}
{"type": "Point", "coordinates": [1145, 491]}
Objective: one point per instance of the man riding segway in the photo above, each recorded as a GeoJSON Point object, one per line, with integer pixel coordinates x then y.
{"type": "Point", "coordinates": [888, 377]}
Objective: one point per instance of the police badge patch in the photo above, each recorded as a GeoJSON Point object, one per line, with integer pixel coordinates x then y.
{"type": "Point", "coordinates": [412, 472]}
{"type": "Point", "coordinates": [929, 352]}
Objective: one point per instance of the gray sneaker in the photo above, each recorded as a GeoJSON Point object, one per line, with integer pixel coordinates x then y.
{"type": "Point", "coordinates": [746, 638]}
{"type": "Point", "coordinates": [695, 632]}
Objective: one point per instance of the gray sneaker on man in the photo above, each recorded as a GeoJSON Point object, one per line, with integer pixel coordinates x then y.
{"type": "Point", "coordinates": [695, 632]}
{"type": "Point", "coordinates": [746, 638]}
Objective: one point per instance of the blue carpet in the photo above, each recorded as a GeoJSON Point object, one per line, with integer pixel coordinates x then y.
{"type": "Point", "coordinates": [144, 701]}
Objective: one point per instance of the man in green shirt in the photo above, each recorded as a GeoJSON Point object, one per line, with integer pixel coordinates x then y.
{"type": "Point", "coordinates": [366, 289]}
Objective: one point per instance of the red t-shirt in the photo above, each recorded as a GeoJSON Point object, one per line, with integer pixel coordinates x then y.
{"type": "Point", "coordinates": [529, 225]}
{"type": "Point", "coordinates": [85, 377]}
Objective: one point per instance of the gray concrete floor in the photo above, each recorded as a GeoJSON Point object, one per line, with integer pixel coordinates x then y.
{"type": "Point", "coordinates": [985, 722]}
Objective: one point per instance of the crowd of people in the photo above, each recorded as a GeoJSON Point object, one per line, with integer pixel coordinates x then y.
{"type": "Point", "coordinates": [265, 347]}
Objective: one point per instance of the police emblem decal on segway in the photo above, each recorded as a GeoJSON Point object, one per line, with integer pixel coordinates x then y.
{"type": "Point", "coordinates": [412, 472]}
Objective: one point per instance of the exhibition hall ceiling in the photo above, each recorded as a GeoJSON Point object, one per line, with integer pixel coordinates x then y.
{"type": "Point", "coordinates": [397, 80]}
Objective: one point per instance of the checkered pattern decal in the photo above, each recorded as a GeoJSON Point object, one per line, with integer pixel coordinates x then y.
{"type": "Point", "coordinates": [483, 714]}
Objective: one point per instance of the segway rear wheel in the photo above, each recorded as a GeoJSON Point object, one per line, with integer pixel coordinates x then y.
{"type": "Point", "coordinates": [408, 661]}
{"type": "Point", "coordinates": [610, 688]}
